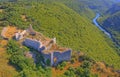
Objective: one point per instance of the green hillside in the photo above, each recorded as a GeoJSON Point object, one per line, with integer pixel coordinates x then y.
{"type": "Point", "coordinates": [70, 29]}
{"type": "Point", "coordinates": [98, 5]}
{"type": "Point", "coordinates": [76, 5]}
{"type": "Point", "coordinates": [110, 21]}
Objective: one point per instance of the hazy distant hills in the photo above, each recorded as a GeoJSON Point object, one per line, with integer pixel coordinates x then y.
{"type": "Point", "coordinates": [114, 9]}
{"type": "Point", "coordinates": [83, 7]}
{"type": "Point", "coordinates": [111, 21]}
{"type": "Point", "coordinates": [98, 5]}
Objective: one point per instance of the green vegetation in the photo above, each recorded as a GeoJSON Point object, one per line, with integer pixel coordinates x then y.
{"type": "Point", "coordinates": [98, 5]}
{"type": "Point", "coordinates": [71, 30]}
{"type": "Point", "coordinates": [110, 21]}
{"type": "Point", "coordinates": [24, 65]}
{"type": "Point", "coordinates": [78, 6]}
{"type": "Point", "coordinates": [69, 22]}
{"type": "Point", "coordinates": [61, 65]}
{"type": "Point", "coordinates": [81, 71]}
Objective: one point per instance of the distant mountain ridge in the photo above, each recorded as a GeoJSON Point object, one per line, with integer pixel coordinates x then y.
{"type": "Point", "coordinates": [84, 7]}
{"type": "Point", "coordinates": [114, 9]}
{"type": "Point", "coordinates": [111, 21]}
{"type": "Point", "coordinates": [98, 5]}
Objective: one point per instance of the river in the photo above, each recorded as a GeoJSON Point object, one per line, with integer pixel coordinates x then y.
{"type": "Point", "coordinates": [103, 30]}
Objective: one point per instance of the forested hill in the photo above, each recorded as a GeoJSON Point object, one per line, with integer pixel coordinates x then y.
{"type": "Point", "coordinates": [83, 7]}
{"type": "Point", "coordinates": [99, 5]}
{"type": "Point", "coordinates": [63, 19]}
{"type": "Point", "coordinates": [60, 21]}
{"type": "Point", "coordinates": [113, 9]}
{"type": "Point", "coordinates": [110, 21]}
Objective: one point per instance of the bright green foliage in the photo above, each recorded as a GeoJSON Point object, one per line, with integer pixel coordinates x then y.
{"type": "Point", "coordinates": [86, 64]}
{"type": "Point", "coordinates": [70, 29]}
{"type": "Point", "coordinates": [12, 47]}
{"type": "Point", "coordinates": [79, 72]}
{"type": "Point", "coordinates": [61, 65]}
{"type": "Point", "coordinates": [48, 62]}
{"type": "Point", "coordinates": [25, 65]}
{"type": "Point", "coordinates": [110, 21]}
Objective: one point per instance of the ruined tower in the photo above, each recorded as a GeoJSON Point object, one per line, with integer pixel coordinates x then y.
{"type": "Point", "coordinates": [31, 30]}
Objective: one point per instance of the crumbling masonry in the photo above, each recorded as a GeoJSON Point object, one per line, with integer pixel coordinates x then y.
{"type": "Point", "coordinates": [47, 47]}
{"type": "Point", "coordinates": [55, 56]}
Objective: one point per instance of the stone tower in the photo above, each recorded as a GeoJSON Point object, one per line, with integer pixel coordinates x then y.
{"type": "Point", "coordinates": [31, 30]}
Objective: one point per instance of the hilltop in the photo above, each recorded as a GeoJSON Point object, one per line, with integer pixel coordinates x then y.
{"type": "Point", "coordinates": [27, 62]}
{"type": "Point", "coordinates": [71, 29]}
{"type": "Point", "coordinates": [56, 19]}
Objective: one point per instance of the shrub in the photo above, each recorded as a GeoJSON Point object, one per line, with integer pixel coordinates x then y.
{"type": "Point", "coordinates": [12, 47]}
{"type": "Point", "coordinates": [86, 64]}
{"type": "Point", "coordinates": [61, 65]}
{"type": "Point", "coordinates": [24, 65]}
{"type": "Point", "coordinates": [48, 62]}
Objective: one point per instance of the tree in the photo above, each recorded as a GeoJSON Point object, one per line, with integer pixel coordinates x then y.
{"type": "Point", "coordinates": [86, 64]}
{"type": "Point", "coordinates": [12, 47]}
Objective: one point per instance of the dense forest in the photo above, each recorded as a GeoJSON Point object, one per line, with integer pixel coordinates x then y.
{"type": "Point", "coordinates": [110, 21]}
{"type": "Point", "coordinates": [68, 21]}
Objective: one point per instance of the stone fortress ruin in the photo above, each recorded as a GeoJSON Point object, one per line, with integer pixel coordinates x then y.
{"type": "Point", "coordinates": [47, 47]}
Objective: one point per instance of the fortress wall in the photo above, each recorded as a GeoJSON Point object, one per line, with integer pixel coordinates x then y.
{"type": "Point", "coordinates": [41, 49]}
{"type": "Point", "coordinates": [47, 57]}
{"type": "Point", "coordinates": [64, 56]}
{"type": "Point", "coordinates": [32, 43]}
{"type": "Point", "coordinates": [54, 57]}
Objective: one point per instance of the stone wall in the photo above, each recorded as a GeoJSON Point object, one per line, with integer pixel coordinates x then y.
{"type": "Point", "coordinates": [42, 48]}
{"type": "Point", "coordinates": [35, 44]}
{"type": "Point", "coordinates": [20, 35]}
{"type": "Point", "coordinates": [54, 57]}
{"type": "Point", "coordinates": [32, 43]}
{"type": "Point", "coordinates": [59, 56]}
{"type": "Point", "coordinates": [47, 57]}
